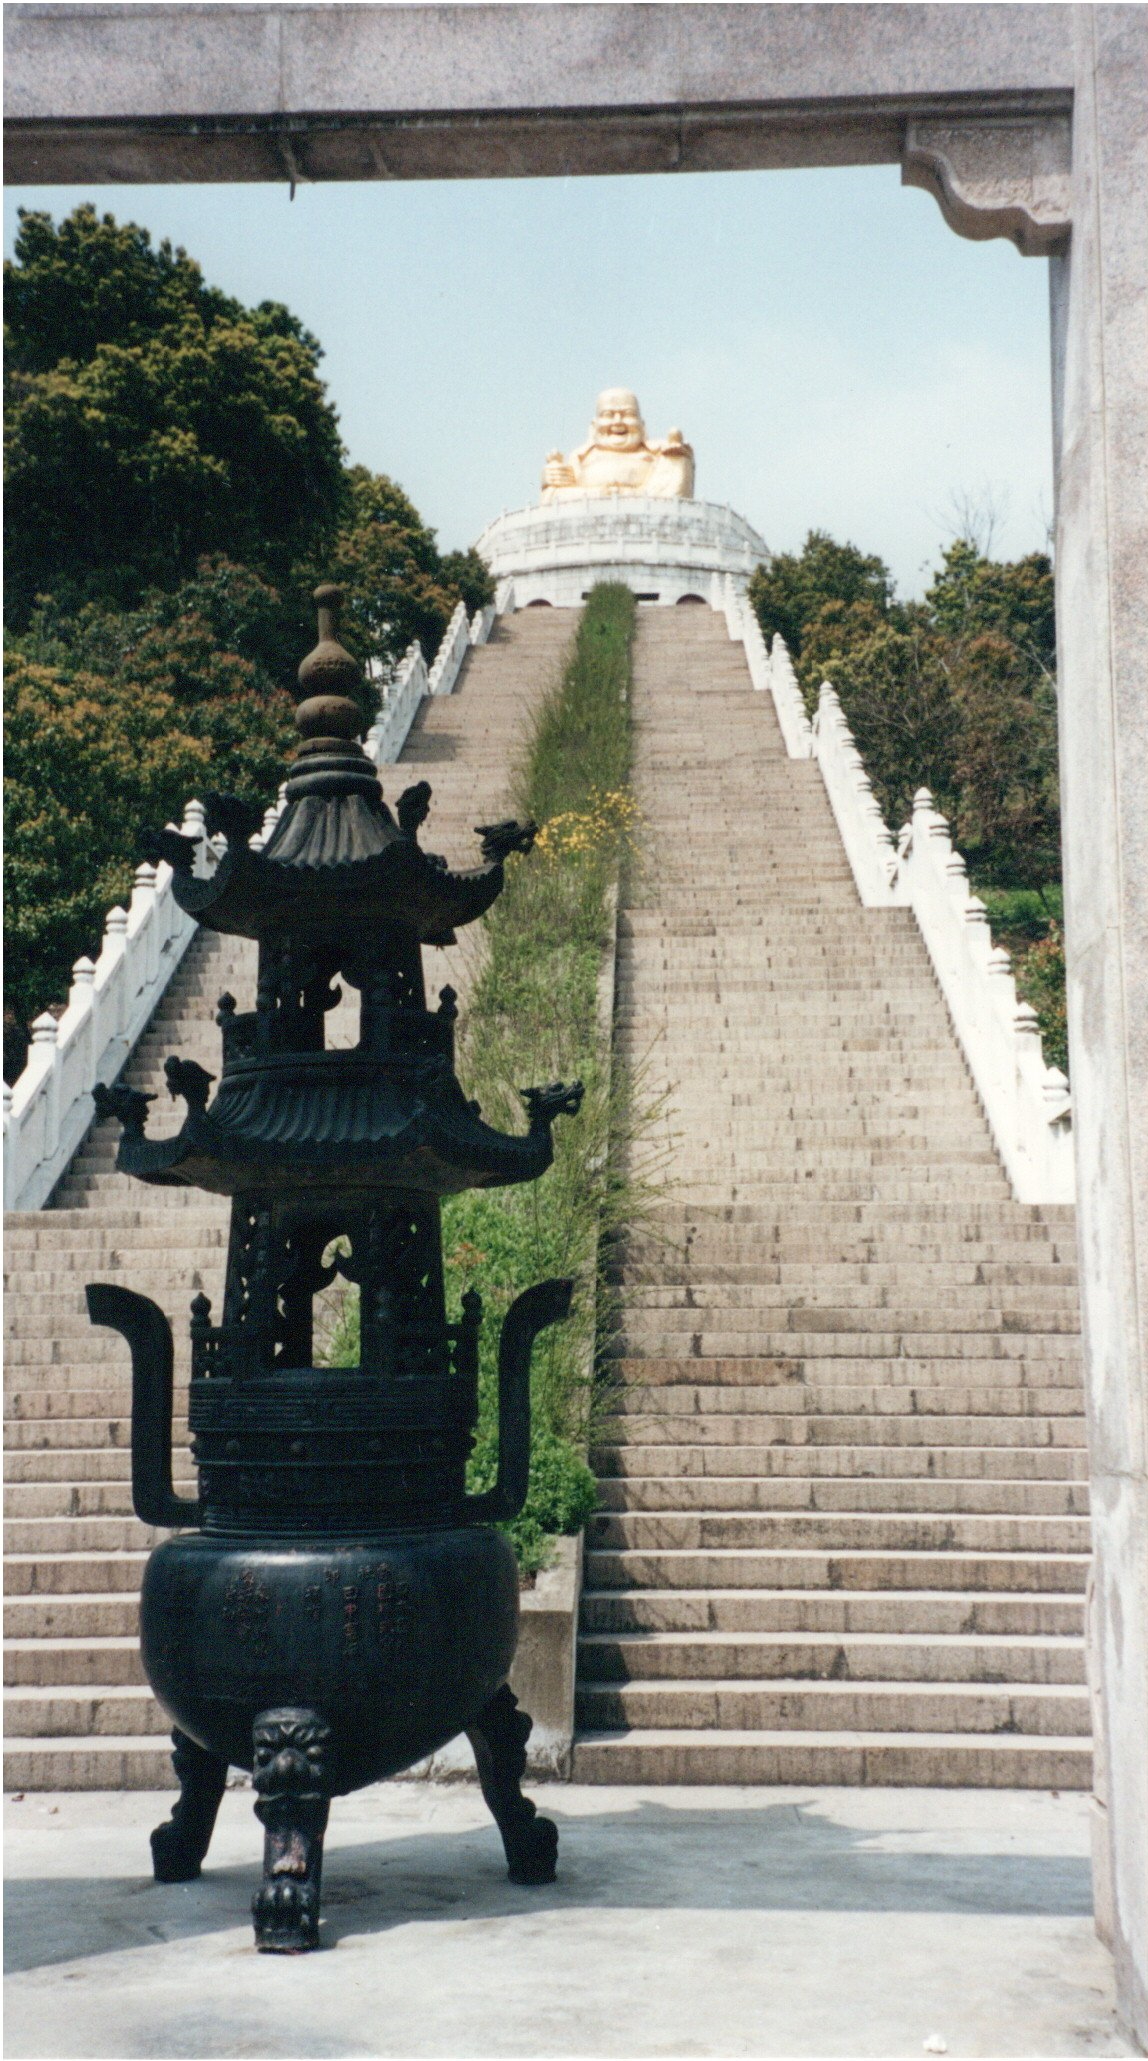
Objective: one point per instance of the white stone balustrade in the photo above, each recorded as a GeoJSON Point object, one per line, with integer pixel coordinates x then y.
{"type": "Point", "coordinates": [48, 1110]}
{"type": "Point", "coordinates": [867, 840]}
{"type": "Point", "coordinates": [482, 623]}
{"type": "Point", "coordinates": [743, 626]}
{"type": "Point", "coordinates": [796, 728]}
{"type": "Point", "coordinates": [399, 697]}
{"type": "Point", "coordinates": [1026, 1102]}
{"type": "Point", "coordinates": [450, 654]}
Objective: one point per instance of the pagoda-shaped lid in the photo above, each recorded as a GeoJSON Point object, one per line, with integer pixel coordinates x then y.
{"type": "Point", "coordinates": [338, 859]}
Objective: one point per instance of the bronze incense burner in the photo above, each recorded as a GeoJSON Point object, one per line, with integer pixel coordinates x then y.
{"type": "Point", "coordinates": [334, 1605]}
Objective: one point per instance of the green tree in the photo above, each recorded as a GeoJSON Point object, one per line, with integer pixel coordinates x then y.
{"type": "Point", "coordinates": [470, 577]}
{"type": "Point", "coordinates": [898, 698]}
{"type": "Point", "coordinates": [997, 623]}
{"type": "Point", "coordinates": [837, 629]}
{"type": "Point", "coordinates": [88, 764]}
{"type": "Point", "coordinates": [151, 419]}
{"type": "Point", "coordinates": [111, 722]}
{"type": "Point", "coordinates": [790, 592]}
{"type": "Point", "coordinates": [92, 281]}
{"type": "Point", "coordinates": [397, 586]}
{"type": "Point", "coordinates": [973, 595]}
{"type": "Point", "coordinates": [1007, 806]}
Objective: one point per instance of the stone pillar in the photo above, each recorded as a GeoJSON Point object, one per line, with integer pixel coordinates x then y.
{"type": "Point", "coordinates": [1100, 311]}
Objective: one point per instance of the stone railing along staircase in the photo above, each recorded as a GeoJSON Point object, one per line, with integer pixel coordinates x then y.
{"type": "Point", "coordinates": [78, 1713]}
{"type": "Point", "coordinates": [844, 1532]}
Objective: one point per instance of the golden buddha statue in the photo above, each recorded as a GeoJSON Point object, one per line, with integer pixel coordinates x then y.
{"type": "Point", "coordinates": [618, 459]}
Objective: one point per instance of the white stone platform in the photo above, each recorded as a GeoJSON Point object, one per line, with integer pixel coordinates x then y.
{"type": "Point", "coordinates": [754, 1922]}
{"type": "Point", "coordinates": [666, 550]}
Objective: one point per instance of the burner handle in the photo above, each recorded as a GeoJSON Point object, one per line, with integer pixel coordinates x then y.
{"type": "Point", "coordinates": [148, 1333]}
{"type": "Point", "coordinates": [546, 1303]}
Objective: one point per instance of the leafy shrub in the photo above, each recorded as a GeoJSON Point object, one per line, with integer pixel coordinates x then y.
{"type": "Point", "coordinates": [175, 490]}
{"type": "Point", "coordinates": [956, 693]}
{"type": "Point", "coordinates": [1040, 980]}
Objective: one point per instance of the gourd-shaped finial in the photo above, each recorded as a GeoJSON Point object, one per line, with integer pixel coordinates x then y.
{"type": "Point", "coordinates": [328, 677]}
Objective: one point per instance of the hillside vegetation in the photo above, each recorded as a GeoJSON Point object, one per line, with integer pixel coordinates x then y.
{"type": "Point", "coordinates": [176, 486]}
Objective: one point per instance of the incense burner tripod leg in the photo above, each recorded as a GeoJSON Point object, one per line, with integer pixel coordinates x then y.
{"type": "Point", "coordinates": [499, 1739]}
{"type": "Point", "coordinates": [178, 1846]}
{"type": "Point", "coordinates": [293, 1805]}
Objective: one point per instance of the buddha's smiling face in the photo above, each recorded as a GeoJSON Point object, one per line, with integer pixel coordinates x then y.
{"type": "Point", "coordinates": [618, 426]}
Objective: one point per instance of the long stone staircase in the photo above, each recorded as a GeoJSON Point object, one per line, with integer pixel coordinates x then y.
{"type": "Point", "coordinates": [78, 1713]}
{"type": "Point", "coordinates": [844, 1533]}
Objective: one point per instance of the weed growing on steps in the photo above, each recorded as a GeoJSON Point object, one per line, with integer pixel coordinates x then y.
{"type": "Point", "coordinates": [533, 1017]}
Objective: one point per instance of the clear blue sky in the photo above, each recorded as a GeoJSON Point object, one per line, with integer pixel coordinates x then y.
{"type": "Point", "coordinates": [838, 358]}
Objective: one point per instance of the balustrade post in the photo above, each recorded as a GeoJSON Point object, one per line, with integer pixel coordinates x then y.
{"type": "Point", "coordinates": [1061, 1149]}
{"type": "Point", "coordinates": [194, 825]}
{"type": "Point", "coordinates": [12, 1141]}
{"type": "Point", "coordinates": [113, 953]}
{"type": "Point", "coordinates": [957, 876]}
{"type": "Point", "coordinates": [1031, 1111]}
{"type": "Point", "coordinates": [922, 815]}
{"type": "Point", "coordinates": [83, 982]}
{"type": "Point", "coordinates": [142, 927]}
{"type": "Point", "coordinates": [45, 1033]}
{"type": "Point", "coordinates": [977, 931]}
{"type": "Point", "coordinates": [999, 967]}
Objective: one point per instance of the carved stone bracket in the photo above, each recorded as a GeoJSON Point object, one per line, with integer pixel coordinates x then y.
{"type": "Point", "coordinates": [997, 176]}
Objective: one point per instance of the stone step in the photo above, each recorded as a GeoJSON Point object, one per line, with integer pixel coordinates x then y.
{"type": "Point", "coordinates": [775, 1194]}
{"type": "Point", "coordinates": [48, 1535]}
{"type": "Point", "coordinates": [114, 1615]}
{"type": "Point", "coordinates": [794, 1431]}
{"type": "Point", "coordinates": [968, 1304]}
{"type": "Point", "coordinates": [706, 1405]}
{"type": "Point", "coordinates": [72, 1498]}
{"type": "Point", "coordinates": [889, 1531]}
{"type": "Point", "coordinates": [32, 1434]}
{"type": "Point", "coordinates": [75, 1574]}
{"type": "Point", "coordinates": [93, 1762]}
{"type": "Point", "coordinates": [1054, 1709]}
{"type": "Point", "coordinates": [917, 1760]}
{"type": "Point", "coordinates": [173, 1287]}
{"type": "Point", "coordinates": [59, 1712]}
{"type": "Point", "coordinates": [101, 1348]}
{"type": "Point", "coordinates": [810, 1568]}
{"type": "Point", "coordinates": [811, 1243]}
{"type": "Point", "coordinates": [973, 1466]}
{"type": "Point", "coordinates": [688, 1313]}
{"type": "Point", "coordinates": [1004, 1215]}
{"type": "Point", "coordinates": [876, 1657]}
{"type": "Point", "coordinates": [746, 1255]}
{"type": "Point", "coordinates": [65, 1229]}
{"type": "Point", "coordinates": [908, 1613]}
{"type": "Point", "coordinates": [43, 1404]}
{"type": "Point", "coordinates": [89, 1662]}
{"type": "Point", "coordinates": [711, 1282]}
{"type": "Point", "coordinates": [742, 1492]}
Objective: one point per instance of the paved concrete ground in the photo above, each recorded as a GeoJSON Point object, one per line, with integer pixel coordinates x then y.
{"type": "Point", "coordinates": [685, 1922]}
